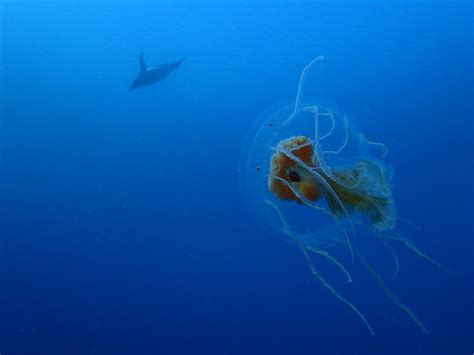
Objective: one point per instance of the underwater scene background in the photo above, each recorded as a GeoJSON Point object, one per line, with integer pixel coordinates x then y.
{"type": "Point", "coordinates": [124, 228]}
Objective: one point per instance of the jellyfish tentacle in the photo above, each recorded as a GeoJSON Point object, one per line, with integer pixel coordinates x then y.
{"type": "Point", "coordinates": [308, 203]}
{"type": "Point", "coordinates": [315, 108]}
{"type": "Point", "coordinates": [329, 113]}
{"type": "Point", "coordinates": [394, 256]}
{"type": "Point", "coordinates": [410, 245]}
{"type": "Point", "coordinates": [381, 145]}
{"type": "Point", "coordinates": [410, 223]}
{"type": "Point", "coordinates": [333, 259]}
{"type": "Point", "coordinates": [390, 293]}
{"type": "Point", "coordinates": [301, 82]}
{"type": "Point", "coordinates": [323, 182]}
{"type": "Point", "coordinates": [287, 227]}
{"type": "Point", "coordinates": [381, 210]}
{"type": "Point", "coordinates": [382, 238]}
{"type": "Point", "coordinates": [346, 139]}
{"type": "Point", "coordinates": [320, 161]}
{"type": "Point", "coordinates": [334, 291]}
{"type": "Point", "coordinates": [333, 124]}
{"type": "Point", "coordinates": [315, 271]}
{"type": "Point", "coordinates": [331, 130]}
{"type": "Point", "coordinates": [314, 250]}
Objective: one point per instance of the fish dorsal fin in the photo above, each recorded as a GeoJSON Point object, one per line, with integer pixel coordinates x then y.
{"type": "Point", "coordinates": [143, 66]}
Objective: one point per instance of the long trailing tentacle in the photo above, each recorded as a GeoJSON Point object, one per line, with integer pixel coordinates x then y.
{"type": "Point", "coordinates": [299, 93]}
{"type": "Point", "coordinates": [333, 259]}
{"type": "Point", "coordinates": [390, 294]}
{"type": "Point", "coordinates": [410, 223]}
{"type": "Point", "coordinates": [314, 270]}
{"type": "Point", "coordinates": [288, 230]}
{"type": "Point", "coordinates": [410, 245]}
{"type": "Point", "coordinates": [383, 239]}
{"type": "Point", "coordinates": [394, 256]}
{"type": "Point", "coordinates": [334, 291]}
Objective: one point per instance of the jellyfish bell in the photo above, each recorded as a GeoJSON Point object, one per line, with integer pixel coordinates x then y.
{"type": "Point", "coordinates": [339, 171]}
{"type": "Point", "coordinates": [312, 178]}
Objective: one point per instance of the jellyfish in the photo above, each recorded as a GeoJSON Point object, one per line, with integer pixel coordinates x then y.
{"type": "Point", "coordinates": [316, 181]}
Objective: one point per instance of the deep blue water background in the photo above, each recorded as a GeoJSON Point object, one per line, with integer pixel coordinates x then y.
{"type": "Point", "coordinates": [122, 228]}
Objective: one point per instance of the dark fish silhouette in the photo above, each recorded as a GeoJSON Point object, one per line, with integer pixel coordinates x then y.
{"type": "Point", "coordinates": [150, 76]}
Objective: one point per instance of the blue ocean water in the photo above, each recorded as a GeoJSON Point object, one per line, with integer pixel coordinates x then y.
{"type": "Point", "coordinates": [123, 229]}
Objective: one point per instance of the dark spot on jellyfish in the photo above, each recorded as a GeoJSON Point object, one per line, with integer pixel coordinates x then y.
{"type": "Point", "coordinates": [257, 168]}
{"type": "Point", "coordinates": [294, 176]}
{"type": "Point", "coordinates": [270, 124]}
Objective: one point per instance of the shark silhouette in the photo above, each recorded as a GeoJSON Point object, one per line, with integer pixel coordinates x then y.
{"type": "Point", "coordinates": [148, 76]}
